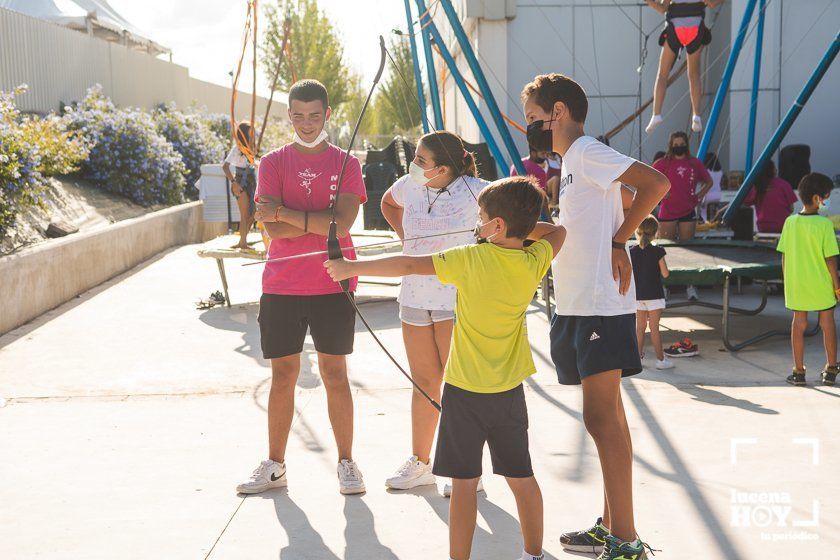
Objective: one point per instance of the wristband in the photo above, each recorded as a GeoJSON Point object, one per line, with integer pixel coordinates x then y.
{"type": "Point", "coordinates": [306, 221]}
{"type": "Point", "coordinates": [617, 245]}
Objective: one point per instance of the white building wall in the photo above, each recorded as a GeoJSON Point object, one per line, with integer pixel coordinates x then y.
{"type": "Point", "coordinates": [597, 43]}
{"type": "Point", "coordinates": [60, 64]}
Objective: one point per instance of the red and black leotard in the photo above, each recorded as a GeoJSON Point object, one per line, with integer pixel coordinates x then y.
{"type": "Point", "coordinates": [685, 26]}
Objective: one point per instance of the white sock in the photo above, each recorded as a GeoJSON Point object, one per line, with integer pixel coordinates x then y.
{"type": "Point", "coordinates": [696, 123]}
{"type": "Point", "coordinates": [655, 120]}
{"type": "Point", "coordinates": [526, 556]}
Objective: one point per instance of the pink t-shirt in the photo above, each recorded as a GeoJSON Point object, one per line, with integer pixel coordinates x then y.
{"type": "Point", "coordinates": [536, 170]}
{"type": "Point", "coordinates": [775, 207]}
{"type": "Point", "coordinates": [684, 175]}
{"type": "Point", "coordinates": [306, 182]}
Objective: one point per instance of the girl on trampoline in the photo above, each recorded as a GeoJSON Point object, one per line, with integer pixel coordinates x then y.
{"type": "Point", "coordinates": [684, 29]}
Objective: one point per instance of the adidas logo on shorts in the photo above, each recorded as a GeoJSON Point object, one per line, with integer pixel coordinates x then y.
{"type": "Point", "coordinates": [594, 336]}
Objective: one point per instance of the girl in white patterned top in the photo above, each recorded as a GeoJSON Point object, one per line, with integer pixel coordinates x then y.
{"type": "Point", "coordinates": [438, 195]}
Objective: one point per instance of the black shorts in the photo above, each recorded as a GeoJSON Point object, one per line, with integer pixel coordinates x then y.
{"type": "Point", "coordinates": [469, 420]}
{"type": "Point", "coordinates": [690, 217]}
{"type": "Point", "coordinates": [284, 320]}
{"type": "Point", "coordinates": [583, 346]}
{"type": "Point", "coordinates": [246, 178]}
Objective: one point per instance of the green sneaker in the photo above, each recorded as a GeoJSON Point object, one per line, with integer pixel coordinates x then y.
{"type": "Point", "coordinates": [589, 540]}
{"type": "Point", "coordinates": [616, 549]}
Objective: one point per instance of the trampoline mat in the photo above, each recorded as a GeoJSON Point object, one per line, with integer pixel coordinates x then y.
{"type": "Point", "coordinates": [709, 264]}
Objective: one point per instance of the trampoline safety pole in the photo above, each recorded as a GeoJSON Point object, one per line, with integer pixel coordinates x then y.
{"type": "Point", "coordinates": [784, 126]}
{"type": "Point", "coordinates": [434, 94]}
{"type": "Point", "coordinates": [468, 98]}
{"type": "Point", "coordinates": [418, 79]}
{"type": "Point", "coordinates": [759, 46]}
{"type": "Point", "coordinates": [483, 86]}
{"type": "Point", "coordinates": [725, 80]}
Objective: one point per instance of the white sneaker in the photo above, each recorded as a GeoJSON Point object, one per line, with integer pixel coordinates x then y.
{"type": "Point", "coordinates": [664, 364]}
{"type": "Point", "coordinates": [655, 121]}
{"type": "Point", "coordinates": [350, 478]}
{"type": "Point", "coordinates": [447, 489]}
{"type": "Point", "coordinates": [412, 474]}
{"type": "Point", "coordinates": [270, 474]}
{"type": "Point", "coordinates": [696, 123]}
{"type": "Point", "coordinates": [691, 293]}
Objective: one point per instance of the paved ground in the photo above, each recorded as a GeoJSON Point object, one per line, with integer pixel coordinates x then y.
{"type": "Point", "coordinates": [130, 417]}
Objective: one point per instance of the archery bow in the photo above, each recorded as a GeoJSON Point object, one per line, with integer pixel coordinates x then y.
{"type": "Point", "coordinates": [333, 247]}
{"type": "Point", "coordinates": [366, 246]}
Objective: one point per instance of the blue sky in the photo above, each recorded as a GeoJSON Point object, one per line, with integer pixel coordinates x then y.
{"type": "Point", "coordinates": [205, 35]}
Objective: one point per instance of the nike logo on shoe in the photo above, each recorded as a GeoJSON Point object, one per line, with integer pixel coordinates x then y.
{"type": "Point", "coordinates": [275, 478]}
{"type": "Point", "coordinates": [594, 336]}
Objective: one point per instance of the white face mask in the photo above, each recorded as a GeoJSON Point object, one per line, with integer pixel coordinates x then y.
{"type": "Point", "coordinates": [318, 139]}
{"type": "Point", "coordinates": [418, 174]}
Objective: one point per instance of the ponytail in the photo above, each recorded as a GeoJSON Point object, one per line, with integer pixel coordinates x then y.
{"type": "Point", "coordinates": [647, 231]}
{"type": "Point", "coordinates": [469, 167]}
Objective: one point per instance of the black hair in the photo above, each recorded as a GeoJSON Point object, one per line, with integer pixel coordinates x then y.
{"type": "Point", "coordinates": [309, 90]}
{"type": "Point", "coordinates": [712, 163]}
{"type": "Point", "coordinates": [548, 89]}
{"type": "Point", "coordinates": [658, 155]}
{"type": "Point", "coordinates": [517, 200]}
{"type": "Point", "coordinates": [762, 180]}
{"type": "Point", "coordinates": [448, 150]}
{"type": "Point", "coordinates": [811, 185]}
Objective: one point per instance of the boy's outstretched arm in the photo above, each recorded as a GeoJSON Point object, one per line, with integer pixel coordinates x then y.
{"type": "Point", "coordinates": [398, 265]}
{"type": "Point", "coordinates": [552, 233]}
{"type": "Point", "coordinates": [651, 187]}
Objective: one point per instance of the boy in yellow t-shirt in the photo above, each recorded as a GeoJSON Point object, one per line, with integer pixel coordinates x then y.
{"type": "Point", "coordinates": [809, 263]}
{"type": "Point", "coordinates": [483, 399]}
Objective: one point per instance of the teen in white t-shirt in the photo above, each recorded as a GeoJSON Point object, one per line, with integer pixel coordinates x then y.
{"type": "Point", "coordinates": [439, 195]}
{"type": "Point", "coordinates": [593, 333]}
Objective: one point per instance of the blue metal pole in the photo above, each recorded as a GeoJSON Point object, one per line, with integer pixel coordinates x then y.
{"type": "Point", "coordinates": [720, 96]}
{"type": "Point", "coordinates": [418, 79]}
{"type": "Point", "coordinates": [759, 46]}
{"type": "Point", "coordinates": [465, 92]}
{"type": "Point", "coordinates": [430, 65]}
{"type": "Point", "coordinates": [481, 81]}
{"type": "Point", "coordinates": [784, 126]}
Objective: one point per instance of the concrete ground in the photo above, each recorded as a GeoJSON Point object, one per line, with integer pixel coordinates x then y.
{"type": "Point", "coordinates": [130, 416]}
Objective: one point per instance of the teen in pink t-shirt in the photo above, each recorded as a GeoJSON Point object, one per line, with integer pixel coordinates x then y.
{"type": "Point", "coordinates": [306, 182]}
{"type": "Point", "coordinates": [677, 215]}
{"type": "Point", "coordinates": [773, 198]}
{"type": "Point", "coordinates": [297, 187]}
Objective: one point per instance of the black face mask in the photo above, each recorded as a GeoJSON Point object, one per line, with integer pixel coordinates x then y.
{"type": "Point", "coordinates": [679, 150]}
{"type": "Point", "coordinates": [539, 140]}
{"type": "Point", "coordinates": [539, 160]}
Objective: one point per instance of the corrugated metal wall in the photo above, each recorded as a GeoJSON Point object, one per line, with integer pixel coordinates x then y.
{"type": "Point", "coordinates": [60, 64]}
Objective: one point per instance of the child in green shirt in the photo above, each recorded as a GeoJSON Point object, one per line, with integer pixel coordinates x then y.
{"type": "Point", "coordinates": [483, 398]}
{"type": "Point", "coordinates": [809, 261]}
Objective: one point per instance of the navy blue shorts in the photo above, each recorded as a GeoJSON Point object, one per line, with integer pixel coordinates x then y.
{"type": "Point", "coordinates": [583, 346]}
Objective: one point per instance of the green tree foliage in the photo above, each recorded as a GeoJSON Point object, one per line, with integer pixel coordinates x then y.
{"type": "Point", "coordinates": [316, 49]}
{"type": "Point", "coordinates": [397, 110]}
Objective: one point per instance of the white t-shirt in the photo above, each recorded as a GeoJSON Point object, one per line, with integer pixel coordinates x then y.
{"type": "Point", "coordinates": [715, 192]}
{"type": "Point", "coordinates": [236, 158]}
{"type": "Point", "coordinates": [590, 210]}
{"type": "Point", "coordinates": [452, 210]}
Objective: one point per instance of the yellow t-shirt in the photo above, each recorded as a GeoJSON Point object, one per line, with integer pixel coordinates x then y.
{"type": "Point", "coordinates": [490, 350]}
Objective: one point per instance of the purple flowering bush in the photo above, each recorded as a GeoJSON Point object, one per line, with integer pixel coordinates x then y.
{"type": "Point", "coordinates": [128, 156]}
{"type": "Point", "coordinates": [21, 182]}
{"type": "Point", "coordinates": [191, 137]}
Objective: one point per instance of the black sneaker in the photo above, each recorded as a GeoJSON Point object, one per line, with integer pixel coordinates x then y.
{"type": "Point", "coordinates": [683, 349]}
{"type": "Point", "coordinates": [589, 540]}
{"type": "Point", "coordinates": [829, 375]}
{"type": "Point", "coordinates": [796, 378]}
{"type": "Point", "coordinates": [616, 549]}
